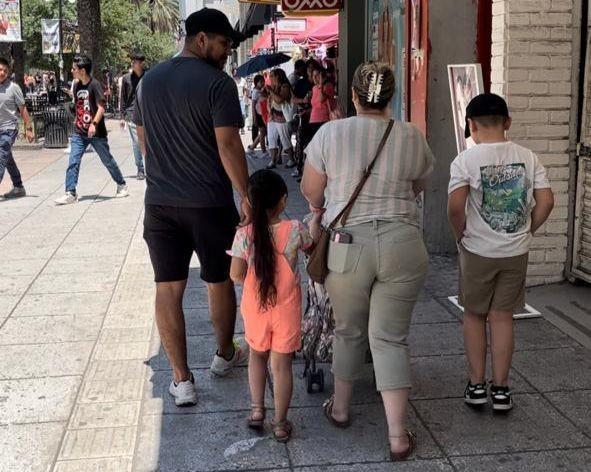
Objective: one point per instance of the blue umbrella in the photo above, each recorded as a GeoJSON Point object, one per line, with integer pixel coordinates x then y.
{"type": "Point", "coordinates": [262, 62]}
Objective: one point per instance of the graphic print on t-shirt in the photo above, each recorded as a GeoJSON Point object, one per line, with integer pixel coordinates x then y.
{"type": "Point", "coordinates": [83, 111]}
{"type": "Point", "coordinates": [504, 197]}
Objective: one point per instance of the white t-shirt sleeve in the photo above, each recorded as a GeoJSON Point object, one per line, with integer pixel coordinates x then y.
{"type": "Point", "coordinates": [315, 151]}
{"type": "Point", "coordinates": [540, 174]}
{"type": "Point", "coordinates": [459, 175]}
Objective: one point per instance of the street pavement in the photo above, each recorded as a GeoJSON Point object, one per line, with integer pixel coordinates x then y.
{"type": "Point", "coordinates": [83, 378]}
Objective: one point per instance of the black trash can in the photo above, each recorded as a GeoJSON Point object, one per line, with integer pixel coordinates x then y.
{"type": "Point", "coordinates": [57, 128]}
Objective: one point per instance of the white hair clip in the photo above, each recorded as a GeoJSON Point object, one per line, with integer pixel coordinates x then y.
{"type": "Point", "coordinates": [375, 87]}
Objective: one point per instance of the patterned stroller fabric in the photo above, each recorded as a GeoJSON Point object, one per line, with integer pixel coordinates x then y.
{"type": "Point", "coordinates": [317, 325]}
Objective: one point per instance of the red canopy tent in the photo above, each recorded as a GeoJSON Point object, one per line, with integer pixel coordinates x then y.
{"type": "Point", "coordinates": [264, 42]}
{"type": "Point", "coordinates": [326, 32]}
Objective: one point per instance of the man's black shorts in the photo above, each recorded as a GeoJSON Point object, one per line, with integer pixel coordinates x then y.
{"type": "Point", "coordinates": [173, 233]}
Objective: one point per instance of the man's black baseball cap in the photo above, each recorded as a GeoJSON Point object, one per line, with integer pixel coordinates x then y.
{"type": "Point", "coordinates": [486, 104]}
{"type": "Point", "coordinates": [210, 20]}
{"type": "Point", "coordinates": [137, 56]}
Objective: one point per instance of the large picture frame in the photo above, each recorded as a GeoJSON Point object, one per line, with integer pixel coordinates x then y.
{"type": "Point", "coordinates": [465, 83]}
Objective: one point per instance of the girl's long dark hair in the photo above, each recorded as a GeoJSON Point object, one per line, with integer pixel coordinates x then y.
{"type": "Point", "coordinates": [265, 191]}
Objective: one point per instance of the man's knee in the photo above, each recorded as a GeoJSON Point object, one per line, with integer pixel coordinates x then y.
{"type": "Point", "coordinates": [170, 293]}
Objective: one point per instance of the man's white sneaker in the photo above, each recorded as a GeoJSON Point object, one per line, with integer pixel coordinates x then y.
{"type": "Point", "coordinates": [184, 393]}
{"type": "Point", "coordinates": [222, 367]}
{"type": "Point", "coordinates": [67, 199]}
{"type": "Point", "coordinates": [122, 191]}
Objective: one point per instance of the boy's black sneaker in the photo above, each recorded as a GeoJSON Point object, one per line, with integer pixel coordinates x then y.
{"type": "Point", "coordinates": [475, 395]}
{"type": "Point", "coordinates": [501, 398]}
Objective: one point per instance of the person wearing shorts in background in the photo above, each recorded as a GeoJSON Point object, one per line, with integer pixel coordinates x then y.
{"type": "Point", "coordinates": [190, 136]}
{"type": "Point", "coordinates": [499, 196]}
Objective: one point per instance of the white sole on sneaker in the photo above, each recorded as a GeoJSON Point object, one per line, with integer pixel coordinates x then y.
{"type": "Point", "coordinates": [502, 407]}
{"type": "Point", "coordinates": [476, 401]}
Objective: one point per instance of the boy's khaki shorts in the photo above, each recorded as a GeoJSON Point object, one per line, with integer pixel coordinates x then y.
{"type": "Point", "coordinates": [492, 284]}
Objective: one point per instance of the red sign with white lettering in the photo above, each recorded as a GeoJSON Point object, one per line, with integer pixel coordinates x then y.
{"type": "Point", "coordinates": [303, 6]}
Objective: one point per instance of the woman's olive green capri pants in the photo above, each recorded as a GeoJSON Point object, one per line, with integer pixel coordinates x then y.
{"type": "Point", "coordinates": [373, 286]}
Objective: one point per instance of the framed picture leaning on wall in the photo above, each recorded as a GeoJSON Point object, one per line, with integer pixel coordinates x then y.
{"type": "Point", "coordinates": [465, 82]}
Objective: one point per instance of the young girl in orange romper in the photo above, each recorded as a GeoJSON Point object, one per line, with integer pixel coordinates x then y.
{"type": "Point", "coordinates": [265, 261]}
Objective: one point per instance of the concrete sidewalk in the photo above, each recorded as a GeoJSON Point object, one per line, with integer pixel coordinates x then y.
{"type": "Point", "coordinates": [83, 380]}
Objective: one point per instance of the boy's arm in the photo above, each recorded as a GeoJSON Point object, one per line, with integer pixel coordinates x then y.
{"type": "Point", "coordinates": [544, 204]}
{"type": "Point", "coordinates": [238, 270]}
{"type": "Point", "coordinates": [456, 210]}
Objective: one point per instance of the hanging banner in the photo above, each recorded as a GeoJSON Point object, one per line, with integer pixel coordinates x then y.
{"type": "Point", "coordinates": [10, 21]}
{"type": "Point", "coordinates": [50, 36]}
{"type": "Point", "coordinates": [317, 7]}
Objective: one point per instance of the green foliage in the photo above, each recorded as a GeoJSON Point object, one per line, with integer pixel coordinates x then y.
{"type": "Point", "coordinates": [126, 27]}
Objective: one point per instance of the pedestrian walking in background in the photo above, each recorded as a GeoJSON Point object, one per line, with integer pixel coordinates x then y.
{"type": "Point", "coordinates": [188, 119]}
{"type": "Point", "coordinates": [12, 102]}
{"type": "Point", "coordinates": [376, 258]}
{"type": "Point", "coordinates": [89, 129]}
{"type": "Point", "coordinates": [265, 260]}
{"type": "Point", "coordinates": [499, 195]}
{"type": "Point", "coordinates": [322, 97]}
{"type": "Point", "coordinates": [279, 127]}
{"type": "Point", "coordinates": [129, 84]}
{"type": "Point", "coordinates": [259, 126]}
{"type": "Point", "coordinates": [302, 89]}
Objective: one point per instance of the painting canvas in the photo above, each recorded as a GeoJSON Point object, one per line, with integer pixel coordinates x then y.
{"type": "Point", "coordinates": [387, 43]}
{"type": "Point", "coordinates": [465, 82]}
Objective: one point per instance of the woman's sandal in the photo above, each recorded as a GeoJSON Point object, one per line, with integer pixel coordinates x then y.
{"type": "Point", "coordinates": [327, 407]}
{"type": "Point", "coordinates": [402, 456]}
{"type": "Point", "coordinates": [257, 423]}
{"type": "Point", "coordinates": [282, 431]}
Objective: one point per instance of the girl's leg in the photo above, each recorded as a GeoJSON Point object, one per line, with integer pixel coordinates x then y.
{"type": "Point", "coordinates": [257, 379]}
{"type": "Point", "coordinates": [501, 346]}
{"type": "Point", "coordinates": [282, 383]}
{"type": "Point", "coordinates": [475, 345]}
{"type": "Point", "coordinates": [263, 138]}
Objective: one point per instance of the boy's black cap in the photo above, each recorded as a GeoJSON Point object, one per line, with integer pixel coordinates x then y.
{"type": "Point", "coordinates": [486, 104]}
{"type": "Point", "coordinates": [210, 20]}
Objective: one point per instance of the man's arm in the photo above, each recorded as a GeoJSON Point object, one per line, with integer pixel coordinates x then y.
{"type": "Point", "coordinates": [100, 113]}
{"type": "Point", "coordinates": [456, 210]}
{"type": "Point", "coordinates": [28, 126]}
{"type": "Point", "coordinates": [544, 204]}
{"type": "Point", "coordinates": [234, 161]}
{"type": "Point", "coordinates": [141, 136]}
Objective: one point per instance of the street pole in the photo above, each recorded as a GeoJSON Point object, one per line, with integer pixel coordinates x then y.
{"type": "Point", "coordinates": [61, 53]}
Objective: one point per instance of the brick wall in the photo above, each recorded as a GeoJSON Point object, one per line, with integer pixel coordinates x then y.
{"type": "Point", "coordinates": [531, 67]}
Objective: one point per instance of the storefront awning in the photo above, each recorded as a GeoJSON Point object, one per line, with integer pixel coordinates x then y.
{"type": "Point", "coordinates": [325, 33]}
{"type": "Point", "coordinates": [284, 38]}
{"type": "Point", "coordinates": [254, 17]}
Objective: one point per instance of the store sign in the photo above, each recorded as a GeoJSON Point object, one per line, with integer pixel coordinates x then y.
{"type": "Point", "coordinates": [10, 21]}
{"type": "Point", "coordinates": [291, 26]}
{"type": "Point", "coordinates": [318, 6]}
{"type": "Point", "coordinates": [285, 45]}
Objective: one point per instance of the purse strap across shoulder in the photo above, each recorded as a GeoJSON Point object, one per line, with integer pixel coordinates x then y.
{"type": "Point", "coordinates": [344, 214]}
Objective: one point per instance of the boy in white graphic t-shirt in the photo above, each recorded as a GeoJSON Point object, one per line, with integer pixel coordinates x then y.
{"type": "Point", "coordinates": [499, 196]}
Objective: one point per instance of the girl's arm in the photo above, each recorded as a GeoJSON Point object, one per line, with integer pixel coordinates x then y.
{"type": "Point", "coordinates": [238, 270]}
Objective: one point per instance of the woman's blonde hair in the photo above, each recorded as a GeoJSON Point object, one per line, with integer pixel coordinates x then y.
{"type": "Point", "coordinates": [374, 84]}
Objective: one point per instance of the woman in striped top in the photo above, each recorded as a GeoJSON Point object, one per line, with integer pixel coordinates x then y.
{"type": "Point", "coordinates": [378, 262]}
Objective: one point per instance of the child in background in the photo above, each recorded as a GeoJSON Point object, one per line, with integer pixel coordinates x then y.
{"type": "Point", "coordinates": [265, 261]}
{"type": "Point", "coordinates": [499, 196]}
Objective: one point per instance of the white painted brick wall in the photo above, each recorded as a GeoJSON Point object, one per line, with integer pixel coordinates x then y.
{"type": "Point", "coordinates": [531, 67]}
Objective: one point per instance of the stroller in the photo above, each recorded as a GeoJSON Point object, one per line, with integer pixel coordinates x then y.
{"type": "Point", "coordinates": [317, 336]}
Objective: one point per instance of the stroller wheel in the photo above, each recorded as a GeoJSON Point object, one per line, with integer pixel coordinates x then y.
{"type": "Point", "coordinates": [320, 380]}
{"type": "Point", "coordinates": [309, 381]}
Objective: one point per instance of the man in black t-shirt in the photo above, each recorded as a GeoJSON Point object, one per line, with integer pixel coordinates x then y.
{"type": "Point", "coordinates": [188, 119]}
{"type": "Point", "coordinates": [129, 83]}
{"type": "Point", "coordinates": [89, 128]}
